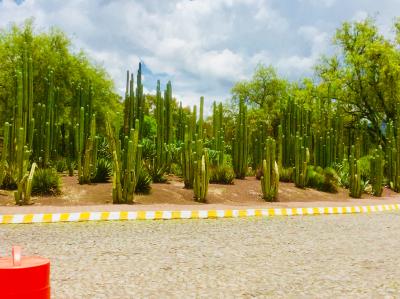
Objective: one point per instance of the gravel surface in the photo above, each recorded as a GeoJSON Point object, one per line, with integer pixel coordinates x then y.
{"type": "Point", "coordinates": [334, 256]}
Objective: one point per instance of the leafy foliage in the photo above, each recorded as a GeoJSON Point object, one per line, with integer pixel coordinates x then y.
{"type": "Point", "coordinates": [143, 185]}
{"type": "Point", "coordinates": [103, 171]}
{"type": "Point", "coordinates": [222, 175]}
{"type": "Point", "coordinates": [46, 182]}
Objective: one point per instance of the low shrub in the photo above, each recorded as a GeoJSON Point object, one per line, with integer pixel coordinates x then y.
{"type": "Point", "coordinates": [364, 164]}
{"type": "Point", "coordinates": [9, 182]}
{"type": "Point", "coordinates": [222, 175]}
{"type": "Point", "coordinates": [286, 174]}
{"type": "Point", "coordinates": [143, 185]}
{"type": "Point", "coordinates": [157, 174]}
{"type": "Point", "coordinates": [103, 171]}
{"type": "Point", "coordinates": [321, 179]}
{"type": "Point", "coordinates": [176, 169]}
{"type": "Point", "coordinates": [46, 182]}
{"type": "Point", "coordinates": [61, 165]}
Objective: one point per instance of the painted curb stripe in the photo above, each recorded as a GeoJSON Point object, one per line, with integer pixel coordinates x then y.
{"type": "Point", "coordinates": [200, 214]}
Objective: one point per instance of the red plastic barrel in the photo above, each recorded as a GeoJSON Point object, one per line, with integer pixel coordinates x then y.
{"type": "Point", "coordinates": [24, 276]}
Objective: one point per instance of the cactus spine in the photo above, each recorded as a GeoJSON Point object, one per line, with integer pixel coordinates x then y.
{"type": "Point", "coordinates": [270, 178]}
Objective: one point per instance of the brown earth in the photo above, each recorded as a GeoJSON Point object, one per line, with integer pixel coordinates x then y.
{"type": "Point", "coordinates": [243, 193]}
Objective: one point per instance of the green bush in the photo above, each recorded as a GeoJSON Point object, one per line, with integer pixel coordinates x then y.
{"type": "Point", "coordinates": [222, 175]}
{"type": "Point", "coordinates": [143, 185]}
{"type": "Point", "coordinates": [46, 182]}
{"type": "Point", "coordinates": [9, 182]}
{"type": "Point", "coordinates": [103, 171]}
{"type": "Point", "coordinates": [103, 150]}
{"type": "Point", "coordinates": [286, 174]}
{"type": "Point", "coordinates": [365, 167]}
{"type": "Point", "coordinates": [176, 169]}
{"type": "Point", "coordinates": [325, 180]}
{"type": "Point", "coordinates": [157, 174]}
{"type": "Point", "coordinates": [61, 165]}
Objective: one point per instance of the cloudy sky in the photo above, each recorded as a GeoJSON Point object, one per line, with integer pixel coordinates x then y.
{"type": "Point", "coordinates": [202, 46]}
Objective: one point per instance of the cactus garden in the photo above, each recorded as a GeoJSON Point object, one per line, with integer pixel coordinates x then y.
{"type": "Point", "coordinates": [63, 125]}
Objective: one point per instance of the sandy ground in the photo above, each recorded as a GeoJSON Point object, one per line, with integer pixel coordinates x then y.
{"type": "Point", "coordinates": [172, 196]}
{"type": "Point", "coordinates": [337, 256]}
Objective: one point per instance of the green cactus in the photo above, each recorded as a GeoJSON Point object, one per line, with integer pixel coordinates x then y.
{"type": "Point", "coordinates": [240, 143]}
{"type": "Point", "coordinates": [377, 172]}
{"type": "Point", "coordinates": [127, 162]}
{"type": "Point", "coordinates": [302, 158]}
{"type": "Point", "coordinates": [201, 177]}
{"type": "Point", "coordinates": [270, 177]}
{"type": "Point", "coordinates": [187, 159]}
{"type": "Point", "coordinates": [5, 152]}
{"type": "Point", "coordinates": [355, 174]}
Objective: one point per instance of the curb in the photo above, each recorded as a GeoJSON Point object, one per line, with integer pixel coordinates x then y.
{"type": "Point", "coordinates": [200, 214]}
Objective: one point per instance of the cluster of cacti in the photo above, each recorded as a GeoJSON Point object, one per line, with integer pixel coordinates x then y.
{"type": "Point", "coordinates": [201, 177]}
{"type": "Point", "coordinates": [240, 142]}
{"type": "Point", "coordinates": [270, 177]}
{"type": "Point", "coordinates": [127, 162]}
{"type": "Point", "coordinates": [377, 164]}
{"type": "Point", "coordinates": [218, 140]}
{"type": "Point", "coordinates": [258, 143]}
{"type": "Point", "coordinates": [165, 128]}
{"type": "Point", "coordinates": [393, 156]}
{"type": "Point", "coordinates": [5, 152]}
{"type": "Point", "coordinates": [302, 158]}
{"type": "Point", "coordinates": [187, 159]}
{"type": "Point", "coordinates": [134, 102]}
{"type": "Point", "coordinates": [86, 139]}
{"type": "Point", "coordinates": [354, 173]}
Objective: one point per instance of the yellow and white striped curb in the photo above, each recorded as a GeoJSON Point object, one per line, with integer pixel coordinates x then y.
{"type": "Point", "coordinates": [200, 214]}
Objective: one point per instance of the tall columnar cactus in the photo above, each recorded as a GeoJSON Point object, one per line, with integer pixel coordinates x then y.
{"type": "Point", "coordinates": [127, 162]}
{"type": "Point", "coordinates": [134, 102]}
{"type": "Point", "coordinates": [270, 178]}
{"type": "Point", "coordinates": [201, 177]}
{"type": "Point", "coordinates": [165, 128]}
{"type": "Point", "coordinates": [355, 174]}
{"type": "Point", "coordinates": [302, 158]}
{"type": "Point", "coordinates": [201, 120]}
{"type": "Point", "coordinates": [5, 152]}
{"type": "Point", "coordinates": [393, 156]}
{"type": "Point", "coordinates": [218, 133]}
{"type": "Point", "coordinates": [187, 159]}
{"type": "Point", "coordinates": [377, 172]}
{"type": "Point", "coordinates": [240, 143]}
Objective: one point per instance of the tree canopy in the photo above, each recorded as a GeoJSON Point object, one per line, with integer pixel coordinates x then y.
{"type": "Point", "coordinates": [51, 51]}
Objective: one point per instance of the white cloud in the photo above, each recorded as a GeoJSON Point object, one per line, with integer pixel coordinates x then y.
{"type": "Point", "coordinates": [203, 46]}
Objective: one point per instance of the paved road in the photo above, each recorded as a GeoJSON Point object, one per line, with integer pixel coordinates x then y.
{"type": "Point", "coordinates": [343, 256]}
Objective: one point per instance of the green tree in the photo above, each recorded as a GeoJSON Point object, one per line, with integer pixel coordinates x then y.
{"type": "Point", "coordinates": [365, 75]}
{"type": "Point", "coordinates": [52, 51]}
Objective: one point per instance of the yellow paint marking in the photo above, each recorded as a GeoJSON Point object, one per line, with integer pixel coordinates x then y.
{"type": "Point", "coordinates": [141, 215]}
{"type": "Point", "coordinates": [123, 215]}
{"type": "Point", "coordinates": [194, 215]}
{"type": "Point", "coordinates": [64, 217]}
{"type": "Point", "coordinates": [28, 218]}
{"type": "Point", "coordinates": [175, 215]}
{"type": "Point", "coordinates": [84, 216]}
{"type": "Point", "coordinates": [104, 215]}
{"type": "Point", "coordinates": [257, 212]}
{"type": "Point", "coordinates": [212, 214]}
{"type": "Point", "coordinates": [8, 218]}
{"type": "Point", "coordinates": [158, 215]}
{"type": "Point", "coordinates": [242, 213]}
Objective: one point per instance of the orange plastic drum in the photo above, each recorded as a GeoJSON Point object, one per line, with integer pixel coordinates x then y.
{"type": "Point", "coordinates": [24, 276]}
